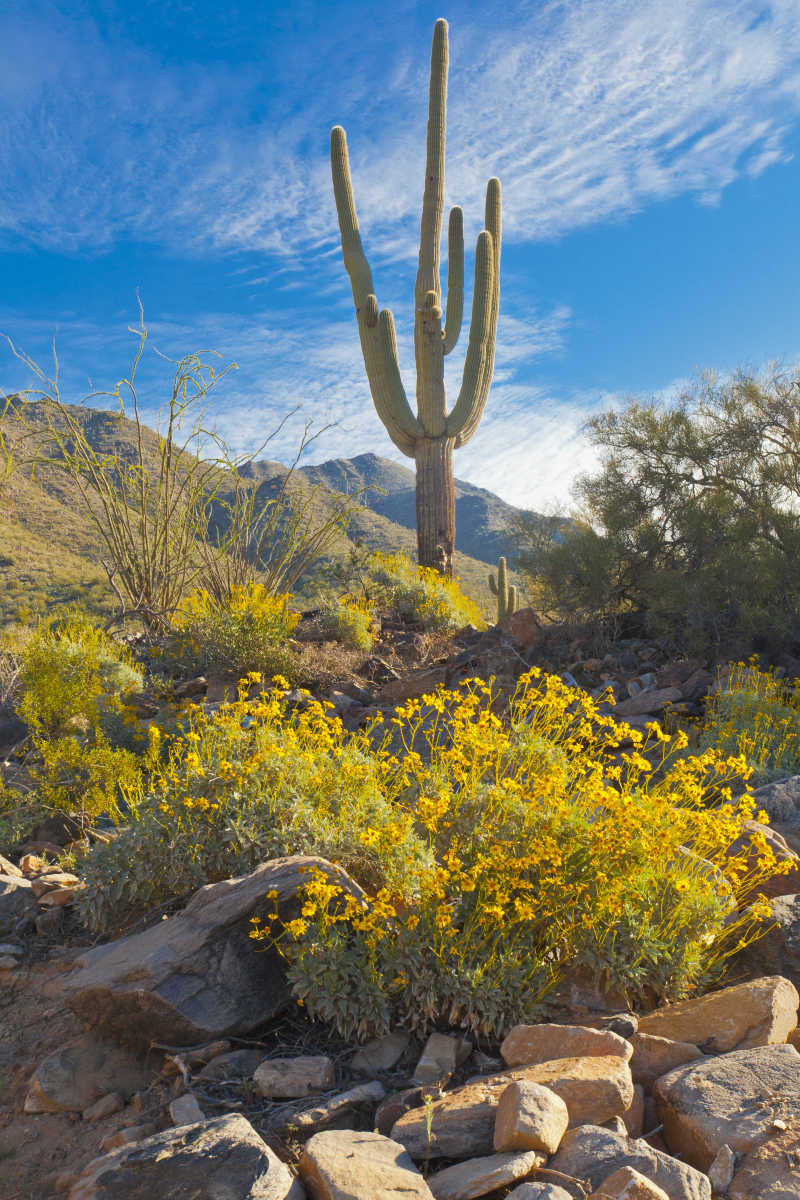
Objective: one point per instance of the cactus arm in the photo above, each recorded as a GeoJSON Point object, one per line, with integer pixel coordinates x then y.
{"type": "Point", "coordinates": [433, 195]}
{"type": "Point", "coordinates": [479, 330]}
{"type": "Point", "coordinates": [455, 279]}
{"type": "Point", "coordinates": [380, 354]}
{"type": "Point", "coordinates": [493, 221]}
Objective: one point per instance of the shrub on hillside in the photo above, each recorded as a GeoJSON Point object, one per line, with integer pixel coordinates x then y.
{"type": "Point", "coordinates": [245, 632]}
{"type": "Point", "coordinates": [757, 716]}
{"type": "Point", "coordinates": [493, 863]}
{"type": "Point", "coordinates": [349, 621]}
{"type": "Point", "coordinates": [420, 594]}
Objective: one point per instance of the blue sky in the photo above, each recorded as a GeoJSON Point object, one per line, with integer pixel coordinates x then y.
{"type": "Point", "coordinates": [649, 160]}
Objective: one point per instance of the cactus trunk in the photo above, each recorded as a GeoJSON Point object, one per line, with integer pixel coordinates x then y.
{"type": "Point", "coordinates": [432, 435]}
{"type": "Point", "coordinates": [436, 504]}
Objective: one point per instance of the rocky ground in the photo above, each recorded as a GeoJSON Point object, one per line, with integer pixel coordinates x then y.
{"type": "Point", "coordinates": [164, 1064]}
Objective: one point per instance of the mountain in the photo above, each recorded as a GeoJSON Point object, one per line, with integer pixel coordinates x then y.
{"type": "Point", "coordinates": [50, 551]}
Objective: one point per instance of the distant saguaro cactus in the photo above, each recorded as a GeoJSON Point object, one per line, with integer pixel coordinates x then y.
{"type": "Point", "coordinates": [506, 595]}
{"type": "Point", "coordinates": [433, 434]}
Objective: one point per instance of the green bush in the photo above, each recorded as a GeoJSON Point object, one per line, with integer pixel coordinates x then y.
{"type": "Point", "coordinates": [349, 621]}
{"type": "Point", "coordinates": [421, 594]}
{"type": "Point", "coordinates": [757, 716]}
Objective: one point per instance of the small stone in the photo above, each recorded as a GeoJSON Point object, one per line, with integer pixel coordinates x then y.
{"type": "Point", "coordinates": [73, 1077]}
{"type": "Point", "coordinates": [235, 1064]}
{"type": "Point", "coordinates": [761, 1012]}
{"type": "Point", "coordinates": [112, 1102]}
{"type": "Point", "coordinates": [11, 950]}
{"type": "Point", "coordinates": [7, 963]}
{"type": "Point", "coordinates": [51, 881]}
{"type": "Point", "coordinates": [722, 1169]}
{"type": "Point", "coordinates": [288, 1078]}
{"type": "Point", "coordinates": [381, 1054]}
{"type": "Point", "coordinates": [529, 1117]}
{"type": "Point", "coordinates": [342, 1163]}
{"type": "Point", "coordinates": [49, 921]}
{"type": "Point", "coordinates": [337, 1106]}
{"type": "Point", "coordinates": [440, 1058]}
{"type": "Point", "coordinates": [654, 1056]}
{"type": "Point", "coordinates": [479, 1176]}
{"type": "Point", "coordinates": [58, 898]}
{"type": "Point", "coordinates": [539, 1191]}
{"type": "Point", "coordinates": [184, 1110]}
{"type": "Point", "coordinates": [124, 1137]}
{"type": "Point", "coordinates": [8, 868]}
{"type": "Point", "coordinates": [529, 1044]}
{"type": "Point", "coordinates": [628, 1184]}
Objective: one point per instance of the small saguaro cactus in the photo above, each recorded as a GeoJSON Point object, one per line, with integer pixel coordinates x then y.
{"type": "Point", "coordinates": [506, 595]}
{"type": "Point", "coordinates": [432, 435]}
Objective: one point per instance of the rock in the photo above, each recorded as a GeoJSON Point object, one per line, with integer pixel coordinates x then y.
{"type": "Point", "coordinates": [652, 701]}
{"type": "Point", "coordinates": [394, 1106]}
{"type": "Point", "coordinates": [413, 687]}
{"type": "Point", "coordinates": [478, 1176]}
{"type": "Point", "coordinates": [539, 1191]}
{"type": "Point", "coordinates": [634, 1116]}
{"type": "Point", "coordinates": [184, 1110]}
{"type": "Point", "coordinates": [191, 687]}
{"type": "Point", "coordinates": [11, 950]}
{"type": "Point", "coordinates": [528, 1044]}
{"type": "Point", "coordinates": [288, 1078]}
{"type": "Point", "coordinates": [594, 1154]}
{"type": "Point", "coordinates": [462, 1125]}
{"type": "Point", "coordinates": [344, 1165]}
{"type": "Point", "coordinates": [758, 1013]}
{"type": "Point", "coordinates": [73, 1077]}
{"type": "Point", "coordinates": [328, 1111]}
{"type": "Point", "coordinates": [440, 1058]}
{"type": "Point", "coordinates": [199, 975]}
{"type": "Point", "coordinates": [729, 1100]}
{"type": "Point", "coordinates": [49, 921]}
{"type": "Point", "coordinates": [128, 1136]}
{"type": "Point", "coordinates": [16, 900]}
{"type": "Point", "coordinates": [654, 1056]}
{"type": "Point", "coordinates": [722, 1169]}
{"type": "Point", "coordinates": [51, 881]}
{"type": "Point", "coordinates": [628, 1184]}
{"type": "Point", "coordinates": [380, 1054]}
{"type": "Point", "coordinates": [771, 1172]}
{"type": "Point", "coordinates": [58, 897]}
{"type": "Point", "coordinates": [777, 952]}
{"type": "Point", "coordinates": [9, 869]}
{"type": "Point", "coordinates": [524, 627]}
{"type": "Point", "coordinates": [223, 1159]}
{"type": "Point", "coordinates": [783, 883]}
{"type": "Point", "coordinates": [780, 801]}
{"type": "Point", "coordinates": [236, 1064]}
{"type": "Point", "coordinates": [106, 1106]}
{"type": "Point", "coordinates": [529, 1117]}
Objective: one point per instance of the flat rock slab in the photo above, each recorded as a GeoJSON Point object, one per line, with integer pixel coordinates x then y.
{"type": "Point", "coordinates": [772, 1172]}
{"type": "Point", "coordinates": [731, 1100]}
{"type": "Point", "coordinates": [76, 1075]}
{"type": "Point", "coordinates": [628, 1184]}
{"type": "Point", "coordinates": [344, 1165]}
{"type": "Point", "coordinates": [462, 1125]}
{"type": "Point", "coordinates": [199, 975]}
{"type": "Point", "coordinates": [759, 1013]}
{"type": "Point", "coordinates": [289, 1078]}
{"type": "Point", "coordinates": [593, 1154]}
{"type": "Point", "coordinates": [479, 1176]}
{"type": "Point", "coordinates": [525, 1045]}
{"type": "Point", "coordinates": [223, 1159]}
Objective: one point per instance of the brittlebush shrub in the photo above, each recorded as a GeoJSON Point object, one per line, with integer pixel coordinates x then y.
{"type": "Point", "coordinates": [757, 716]}
{"type": "Point", "coordinates": [350, 622]}
{"type": "Point", "coordinates": [421, 594]}
{"type": "Point", "coordinates": [247, 632]}
{"type": "Point", "coordinates": [501, 857]}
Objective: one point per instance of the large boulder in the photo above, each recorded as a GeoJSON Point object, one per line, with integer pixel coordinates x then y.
{"type": "Point", "coordinates": [592, 1154]}
{"type": "Point", "coordinates": [344, 1165]}
{"type": "Point", "coordinates": [199, 975]}
{"type": "Point", "coordinates": [759, 1013]}
{"type": "Point", "coordinates": [223, 1159]}
{"type": "Point", "coordinates": [731, 1100]}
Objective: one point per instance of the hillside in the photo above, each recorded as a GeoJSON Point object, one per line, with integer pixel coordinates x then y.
{"type": "Point", "coordinates": [50, 551]}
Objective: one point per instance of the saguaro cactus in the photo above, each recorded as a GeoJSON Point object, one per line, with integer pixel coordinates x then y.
{"type": "Point", "coordinates": [506, 596]}
{"type": "Point", "coordinates": [432, 435]}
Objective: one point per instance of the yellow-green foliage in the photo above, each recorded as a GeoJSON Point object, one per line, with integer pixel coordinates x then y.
{"type": "Point", "coordinates": [421, 594]}
{"type": "Point", "coordinates": [350, 622]}
{"type": "Point", "coordinates": [70, 688]}
{"type": "Point", "coordinates": [494, 857]}
{"type": "Point", "coordinates": [246, 633]}
{"type": "Point", "coordinates": [756, 716]}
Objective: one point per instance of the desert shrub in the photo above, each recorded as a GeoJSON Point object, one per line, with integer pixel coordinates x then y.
{"type": "Point", "coordinates": [349, 621]}
{"type": "Point", "coordinates": [420, 594]}
{"type": "Point", "coordinates": [245, 632]}
{"type": "Point", "coordinates": [254, 781]}
{"type": "Point", "coordinates": [757, 716]}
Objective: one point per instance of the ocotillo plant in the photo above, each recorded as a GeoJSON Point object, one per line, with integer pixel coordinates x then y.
{"type": "Point", "coordinates": [432, 435]}
{"type": "Point", "coordinates": [506, 595]}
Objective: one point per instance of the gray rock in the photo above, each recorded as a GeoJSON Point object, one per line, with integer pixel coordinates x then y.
{"type": "Point", "coordinates": [730, 1100]}
{"type": "Point", "coordinates": [16, 901]}
{"type": "Point", "coordinates": [380, 1054]}
{"type": "Point", "coordinates": [223, 1159]}
{"type": "Point", "coordinates": [780, 800]}
{"type": "Point", "coordinates": [236, 1064]}
{"type": "Point", "coordinates": [539, 1191]}
{"type": "Point", "coordinates": [73, 1077]}
{"type": "Point", "coordinates": [591, 1153]}
{"type": "Point", "coordinates": [778, 951]}
{"type": "Point", "coordinates": [199, 975]}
